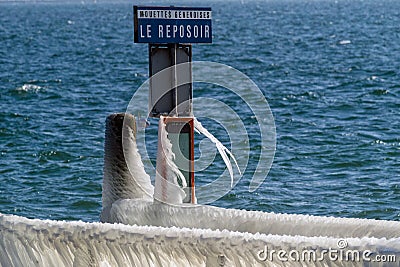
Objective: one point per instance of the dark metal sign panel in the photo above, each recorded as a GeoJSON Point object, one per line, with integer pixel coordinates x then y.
{"type": "Point", "coordinates": [170, 80]}
{"type": "Point", "coordinates": [161, 25]}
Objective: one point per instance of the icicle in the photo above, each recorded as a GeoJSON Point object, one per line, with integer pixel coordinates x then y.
{"type": "Point", "coordinates": [167, 188]}
{"type": "Point", "coordinates": [169, 155]}
{"type": "Point", "coordinates": [221, 148]}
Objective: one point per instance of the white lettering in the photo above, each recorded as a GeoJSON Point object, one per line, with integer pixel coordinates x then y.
{"type": "Point", "coordinates": [272, 255]}
{"type": "Point", "coordinates": [282, 255]}
{"type": "Point", "coordinates": [263, 254]}
{"type": "Point", "coordinates": [366, 255]}
{"type": "Point", "coordinates": [323, 252]}
{"type": "Point", "coordinates": [207, 31]}
{"type": "Point", "coordinates": [294, 255]}
{"type": "Point", "coordinates": [333, 254]}
{"type": "Point", "coordinates": [168, 31]}
{"type": "Point", "coordinates": [148, 31]}
{"type": "Point", "coordinates": [141, 32]}
{"type": "Point", "coordinates": [173, 14]}
{"type": "Point", "coordinates": [160, 31]}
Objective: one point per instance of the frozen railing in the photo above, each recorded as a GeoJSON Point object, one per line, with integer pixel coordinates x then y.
{"type": "Point", "coordinates": [27, 242]}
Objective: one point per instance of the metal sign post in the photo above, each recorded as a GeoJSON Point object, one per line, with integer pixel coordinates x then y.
{"type": "Point", "coordinates": [170, 31]}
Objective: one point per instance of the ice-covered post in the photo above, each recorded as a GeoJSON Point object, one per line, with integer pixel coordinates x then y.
{"type": "Point", "coordinates": [123, 174]}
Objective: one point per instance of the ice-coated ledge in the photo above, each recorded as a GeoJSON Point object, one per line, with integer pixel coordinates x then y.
{"type": "Point", "coordinates": [33, 242]}
{"type": "Point", "coordinates": [142, 212]}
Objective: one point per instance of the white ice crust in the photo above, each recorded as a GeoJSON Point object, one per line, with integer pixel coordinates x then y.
{"type": "Point", "coordinates": [124, 174]}
{"type": "Point", "coordinates": [27, 242]}
{"type": "Point", "coordinates": [167, 188]}
{"type": "Point", "coordinates": [139, 231]}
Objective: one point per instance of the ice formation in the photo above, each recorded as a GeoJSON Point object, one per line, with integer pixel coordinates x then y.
{"type": "Point", "coordinates": [124, 175]}
{"type": "Point", "coordinates": [223, 151]}
{"type": "Point", "coordinates": [169, 182]}
{"type": "Point", "coordinates": [167, 188]}
{"type": "Point", "coordinates": [27, 242]}
{"type": "Point", "coordinates": [138, 231]}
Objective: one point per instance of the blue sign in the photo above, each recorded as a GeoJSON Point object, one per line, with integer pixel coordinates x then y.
{"type": "Point", "coordinates": [161, 25]}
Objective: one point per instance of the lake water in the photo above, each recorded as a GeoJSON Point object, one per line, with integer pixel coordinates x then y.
{"type": "Point", "coordinates": [329, 70]}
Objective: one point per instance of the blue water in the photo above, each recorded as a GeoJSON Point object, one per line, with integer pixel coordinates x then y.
{"type": "Point", "coordinates": [329, 69]}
